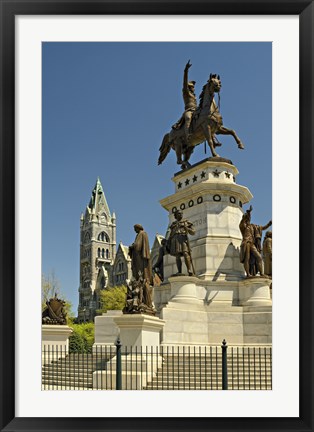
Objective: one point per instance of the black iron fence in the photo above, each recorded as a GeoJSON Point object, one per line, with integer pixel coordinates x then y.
{"type": "Point", "coordinates": [117, 367]}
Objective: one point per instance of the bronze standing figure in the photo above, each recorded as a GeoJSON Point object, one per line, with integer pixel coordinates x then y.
{"type": "Point", "coordinates": [139, 294]}
{"type": "Point", "coordinates": [250, 251]}
{"type": "Point", "coordinates": [159, 265]}
{"type": "Point", "coordinates": [139, 253]}
{"type": "Point", "coordinates": [178, 242]}
{"type": "Point", "coordinates": [268, 253]}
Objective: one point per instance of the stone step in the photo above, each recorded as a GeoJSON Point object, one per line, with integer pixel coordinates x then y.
{"type": "Point", "coordinates": [72, 375]}
{"type": "Point", "coordinates": [196, 358]}
{"type": "Point", "coordinates": [213, 369]}
{"type": "Point", "coordinates": [56, 387]}
{"type": "Point", "coordinates": [67, 368]}
{"type": "Point", "coordinates": [166, 358]}
{"type": "Point", "coordinates": [213, 377]}
{"type": "Point", "coordinates": [62, 373]}
{"type": "Point", "coordinates": [68, 377]}
{"type": "Point", "coordinates": [65, 387]}
{"type": "Point", "coordinates": [171, 369]}
{"type": "Point", "coordinates": [66, 356]}
{"type": "Point", "coordinates": [230, 364]}
{"type": "Point", "coordinates": [177, 372]}
{"type": "Point", "coordinates": [154, 387]}
{"type": "Point", "coordinates": [67, 380]}
{"type": "Point", "coordinates": [218, 364]}
{"type": "Point", "coordinates": [208, 377]}
{"type": "Point", "coordinates": [165, 366]}
{"type": "Point", "coordinates": [214, 357]}
{"type": "Point", "coordinates": [76, 361]}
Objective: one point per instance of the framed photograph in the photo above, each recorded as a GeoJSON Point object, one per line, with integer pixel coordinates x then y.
{"type": "Point", "coordinates": [141, 42]}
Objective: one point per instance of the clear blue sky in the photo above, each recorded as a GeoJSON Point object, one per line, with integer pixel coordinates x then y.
{"type": "Point", "coordinates": [106, 107]}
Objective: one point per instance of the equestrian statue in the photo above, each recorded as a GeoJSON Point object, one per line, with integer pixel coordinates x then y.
{"type": "Point", "coordinates": [198, 123]}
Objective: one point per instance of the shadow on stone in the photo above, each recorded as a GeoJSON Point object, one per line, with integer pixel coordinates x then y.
{"type": "Point", "coordinates": [226, 266]}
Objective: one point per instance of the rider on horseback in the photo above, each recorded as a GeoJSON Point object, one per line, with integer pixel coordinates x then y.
{"type": "Point", "coordinates": [197, 124]}
{"type": "Point", "coordinates": [190, 104]}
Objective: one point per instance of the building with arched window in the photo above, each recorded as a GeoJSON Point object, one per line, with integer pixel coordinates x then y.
{"type": "Point", "coordinates": [101, 263]}
{"type": "Point", "coordinates": [97, 252]}
{"type": "Point", "coordinates": [122, 266]}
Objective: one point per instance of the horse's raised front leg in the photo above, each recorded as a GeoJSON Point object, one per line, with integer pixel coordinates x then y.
{"type": "Point", "coordinates": [225, 131]}
{"type": "Point", "coordinates": [209, 138]}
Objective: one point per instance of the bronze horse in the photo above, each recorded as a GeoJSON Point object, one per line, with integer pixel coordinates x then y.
{"type": "Point", "coordinates": [206, 123]}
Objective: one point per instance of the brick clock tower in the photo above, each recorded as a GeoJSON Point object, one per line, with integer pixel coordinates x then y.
{"type": "Point", "coordinates": [97, 252]}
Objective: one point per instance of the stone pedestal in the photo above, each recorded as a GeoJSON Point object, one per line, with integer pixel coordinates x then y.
{"type": "Point", "coordinates": [185, 324]}
{"type": "Point", "coordinates": [184, 315]}
{"type": "Point", "coordinates": [140, 339]}
{"type": "Point", "coordinates": [183, 289]}
{"type": "Point", "coordinates": [255, 292]}
{"type": "Point", "coordinates": [55, 341]}
{"type": "Point", "coordinates": [139, 330]}
{"type": "Point", "coordinates": [106, 330]}
{"type": "Point", "coordinates": [239, 312]}
{"type": "Point", "coordinates": [138, 368]}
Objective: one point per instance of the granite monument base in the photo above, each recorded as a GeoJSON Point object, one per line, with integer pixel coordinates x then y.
{"type": "Point", "coordinates": [55, 341]}
{"type": "Point", "coordinates": [238, 311]}
{"type": "Point", "coordinates": [106, 330]}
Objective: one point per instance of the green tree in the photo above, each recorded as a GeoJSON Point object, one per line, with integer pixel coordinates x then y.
{"type": "Point", "coordinates": [82, 338]}
{"type": "Point", "coordinates": [112, 298]}
{"type": "Point", "coordinates": [76, 343]}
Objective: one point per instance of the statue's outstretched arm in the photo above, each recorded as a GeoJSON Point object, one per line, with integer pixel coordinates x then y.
{"type": "Point", "coordinates": [267, 226]}
{"type": "Point", "coordinates": [186, 75]}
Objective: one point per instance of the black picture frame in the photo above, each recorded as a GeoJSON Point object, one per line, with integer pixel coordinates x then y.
{"type": "Point", "coordinates": [8, 10]}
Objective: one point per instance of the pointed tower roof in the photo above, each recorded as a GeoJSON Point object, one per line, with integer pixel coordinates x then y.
{"type": "Point", "coordinates": [125, 251]}
{"type": "Point", "coordinates": [98, 202]}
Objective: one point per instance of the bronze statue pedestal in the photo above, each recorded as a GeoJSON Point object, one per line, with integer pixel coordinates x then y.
{"type": "Point", "coordinates": [55, 341]}
{"type": "Point", "coordinates": [255, 292]}
{"type": "Point", "coordinates": [184, 289]}
{"type": "Point", "coordinates": [106, 331]}
{"type": "Point", "coordinates": [139, 330]}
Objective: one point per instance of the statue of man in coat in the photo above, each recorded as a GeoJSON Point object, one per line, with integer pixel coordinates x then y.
{"type": "Point", "coordinates": [141, 263]}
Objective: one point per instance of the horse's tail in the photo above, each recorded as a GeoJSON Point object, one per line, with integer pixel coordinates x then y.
{"type": "Point", "coordinates": [164, 149]}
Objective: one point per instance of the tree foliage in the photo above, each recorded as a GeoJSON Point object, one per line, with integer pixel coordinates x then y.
{"type": "Point", "coordinates": [50, 286]}
{"type": "Point", "coordinates": [82, 338]}
{"type": "Point", "coordinates": [112, 298]}
{"type": "Point", "coordinates": [77, 343]}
